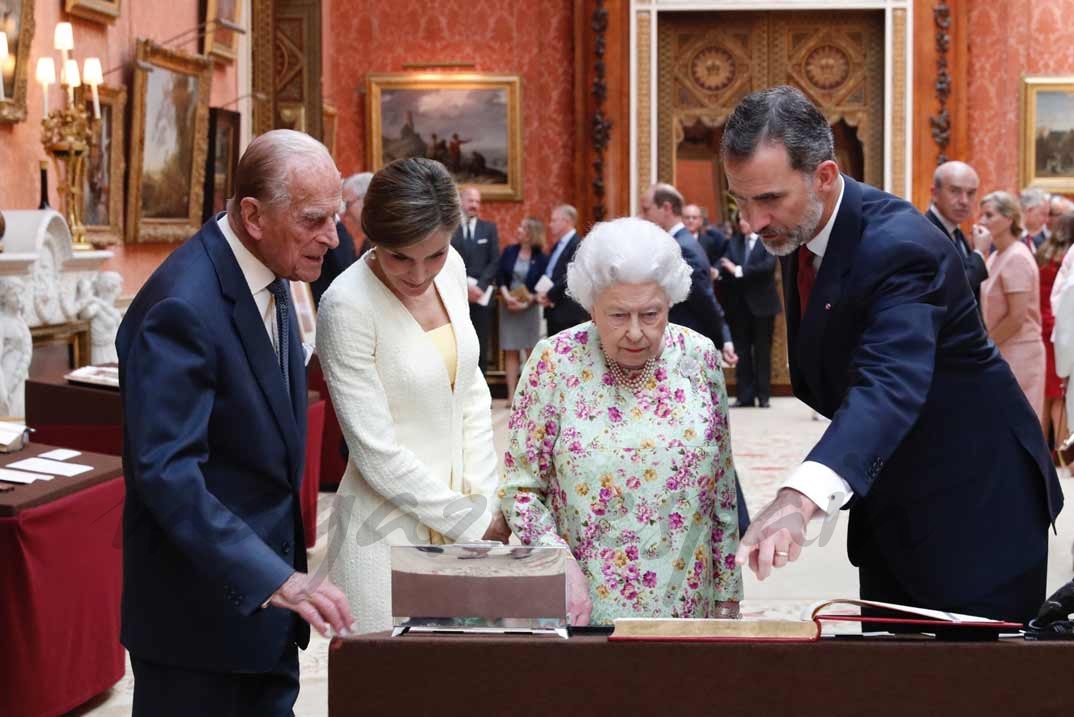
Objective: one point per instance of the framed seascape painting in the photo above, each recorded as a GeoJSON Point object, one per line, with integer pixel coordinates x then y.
{"type": "Point", "coordinates": [220, 16]}
{"type": "Point", "coordinates": [169, 142]}
{"type": "Point", "coordinates": [1048, 133]}
{"type": "Point", "coordinates": [222, 160]}
{"type": "Point", "coordinates": [103, 11]}
{"type": "Point", "coordinates": [102, 186]}
{"type": "Point", "coordinates": [470, 123]}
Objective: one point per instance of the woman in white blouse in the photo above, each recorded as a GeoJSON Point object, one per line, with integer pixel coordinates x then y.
{"type": "Point", "coordinates": [400, 358]}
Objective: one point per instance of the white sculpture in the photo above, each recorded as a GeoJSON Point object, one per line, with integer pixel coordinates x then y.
{"type": "Point", "coordinates": [100, 310]}
{"type": "Point", "coordinates": [16, 347]}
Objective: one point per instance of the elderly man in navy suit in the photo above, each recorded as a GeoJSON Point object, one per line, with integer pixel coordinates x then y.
{"type": "Point", "coordinates": [932, 445]}
{"type": "Point", "coordinates": [216, 598]}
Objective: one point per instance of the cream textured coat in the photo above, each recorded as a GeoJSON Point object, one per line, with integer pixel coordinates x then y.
{"type": "Point", "coordinates": [421, 455]}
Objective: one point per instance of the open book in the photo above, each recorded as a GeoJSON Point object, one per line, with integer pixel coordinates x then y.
{"type": "Point", "coordinates": [805, 629]}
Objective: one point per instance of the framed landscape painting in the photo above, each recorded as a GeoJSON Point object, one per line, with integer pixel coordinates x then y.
{"type": "Point", "coordinates": [169, 141]}
{"type": "Point", "coordinates": [470, 123]}
{"type": "Point", "coordinates": [1048, 133]}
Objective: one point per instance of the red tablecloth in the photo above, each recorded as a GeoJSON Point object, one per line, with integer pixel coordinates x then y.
{"type": "Point", "coordinates": [61, 574]}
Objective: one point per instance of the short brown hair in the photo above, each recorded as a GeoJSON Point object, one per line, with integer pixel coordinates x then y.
{"type": "Point", "coordinates": [407, 200]}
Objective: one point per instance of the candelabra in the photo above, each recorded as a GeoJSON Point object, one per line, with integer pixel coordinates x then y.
{"type": "Point", "coordinates": [67, 133]}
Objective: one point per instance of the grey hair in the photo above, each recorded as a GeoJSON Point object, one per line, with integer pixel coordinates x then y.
{"type": "Point", "coordinates": [358, 183]}
{"type": "Point", "coordinates": [265, 168]}
{"type": "Point", "coordinates": [779, 115]}
{"type": "Point", "coordinates": [1032, 197]}
{"type": "Point", "coordinates": [628, 250]}
{"type": "Point", "coordinates": [569, 212]}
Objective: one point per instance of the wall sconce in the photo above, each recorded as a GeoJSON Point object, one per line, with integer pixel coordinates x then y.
{"type": "Point", "coordinates": [68, 132]}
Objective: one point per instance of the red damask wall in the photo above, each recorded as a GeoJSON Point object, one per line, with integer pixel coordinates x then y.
{"type": "Point", "coordinates": [1006, 40]}
{"type": "Point", "coordinates": [532, 38]}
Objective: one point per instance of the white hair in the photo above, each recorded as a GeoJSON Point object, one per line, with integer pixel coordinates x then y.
{"type": "Point", "coordinates": [358, 183]}
{"type": "Point", "coordinates": [627, 251]}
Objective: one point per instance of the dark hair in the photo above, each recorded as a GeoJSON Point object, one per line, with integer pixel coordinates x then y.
{"type": "Point", "coordinates": [1055, 247]}
{"type": "Point", "coordinates": [407, 200]}
{"type": "Point", "coordinates": [779, 115]}
{"type": "Point", "coordinates": [663, 192]}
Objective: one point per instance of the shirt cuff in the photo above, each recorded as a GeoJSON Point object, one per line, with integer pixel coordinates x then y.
{"type": "Point", "coordinates": [738, 271]}
{"type": "Point", "coordinates": [821, 485]}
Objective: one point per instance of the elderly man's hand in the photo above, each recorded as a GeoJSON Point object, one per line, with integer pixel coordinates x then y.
{"type": "Point", "coordinates": [579, 606]}
{"type": "Point", "coordinates": [775, 537]}
{"type": "Point", "coordinates": [320, 605]}
{"type": "Point", "coordinates": [497, 529]}
{"type": "Point", "coordinates": [729, 355]}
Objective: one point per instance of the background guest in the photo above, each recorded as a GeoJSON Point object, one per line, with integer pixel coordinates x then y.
{"type": "Point", "coordinates": [954, 197]}
{"type": "Point", "coordinates": [561, 311]}
{"type": "Point", "coordinates": [478, 243]}
{"type": "Point", "coordinates": [1049, 257]}
{"type": "Point", "coordinates": [400, 359]}
{"type": "Point", "coordinates": [352, 241]}
{"type": "Point", "coordinates": [1010, 297]}
{"type": "Point", "coordinates": [521, 265]}
{"type": "Point", "coordinates": [619, 447]}
{"type": "Point", "coordinates": [749, 280]}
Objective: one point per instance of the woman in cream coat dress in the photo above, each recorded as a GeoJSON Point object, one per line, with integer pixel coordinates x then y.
{"type": "Point", "coordinates": [400, 358]}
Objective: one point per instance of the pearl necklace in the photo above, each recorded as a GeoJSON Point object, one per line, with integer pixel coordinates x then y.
{"type": "Point", "coordinates": [634, 383]}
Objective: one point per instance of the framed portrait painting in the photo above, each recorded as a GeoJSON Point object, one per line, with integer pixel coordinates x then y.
{"type": "Point", "coordinates": [103, 11]}
{"type": "Point", "coordinates": [16, 34]}
{"type": "Point", "coordinates": [222, 18]}
{"type": "Point", "coordinates": [169, 141]}
{"type": "Point", "coordinates": [102, 186]}
{"type": "Point", "coordinates": [222, 160]}
{"type": "Point", "coordinates": [470, 123]}
{"type": "Point", "coordinates": [1048, 133]}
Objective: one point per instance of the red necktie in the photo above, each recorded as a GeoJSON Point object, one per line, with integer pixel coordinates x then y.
{"type": "Point", "coordinates": [807, 277]}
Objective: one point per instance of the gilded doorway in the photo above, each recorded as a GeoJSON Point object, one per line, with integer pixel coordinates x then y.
{"type": "Point", "coordinates": [708, 61]}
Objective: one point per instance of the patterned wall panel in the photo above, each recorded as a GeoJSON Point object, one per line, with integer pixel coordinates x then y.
{"type": "Point", "coordinates": [532, 39]}
{"type": "Point", "coordinates": [645, 88]}
{"type": "Point", "coordinates": [1008, 40]}
{"type": "Point", "coordinates": [897, 141]}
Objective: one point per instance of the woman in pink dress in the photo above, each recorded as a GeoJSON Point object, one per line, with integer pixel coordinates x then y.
{"type": "Point", "coordinates": [1049, 258]}
{"type": "Point", "coordinates": [1010, 297]}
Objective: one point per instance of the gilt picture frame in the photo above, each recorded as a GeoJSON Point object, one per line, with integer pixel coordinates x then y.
{"type": "Point", "coordinates": [169, 141]}
{"type": "Point", "coordinates": [222, 160]}
{"type": "Point", "coordinates": [221, 42]}
{"type": "Point", "coordinates": [106, 165]}
{"type": "Point", "coordinates": [1048, 133]}
{"type": "Point", "coordinates": [17, 24]}
{"type": "Point", "coordinates": [102, 11]}
{"type": "Point", "coordinates": [469, 122]}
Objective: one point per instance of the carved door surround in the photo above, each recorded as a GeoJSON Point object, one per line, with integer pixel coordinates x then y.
{"type": "Point", "coordinates": [287, 65]}
{"type": "Point", "coordinates": [708, 62]}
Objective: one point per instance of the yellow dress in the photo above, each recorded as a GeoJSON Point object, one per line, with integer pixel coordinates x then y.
{"type": "Point", "coordinates": [444, 340]}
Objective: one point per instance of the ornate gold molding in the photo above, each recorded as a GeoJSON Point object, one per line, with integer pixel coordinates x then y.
{"type": "Point", "coordinates": [897, 142]}
{"type": "Point", "coordinates": [644, 109]}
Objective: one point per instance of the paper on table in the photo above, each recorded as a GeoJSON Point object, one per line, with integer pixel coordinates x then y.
{"type": "Point", "coordinates": [7, 476]}
{"type": "Point", "coordinates": [60, 454]}
{"type": "Point", "coordinates": [543, 285]}
{"type": "Point", "coordinates": [43, 465]}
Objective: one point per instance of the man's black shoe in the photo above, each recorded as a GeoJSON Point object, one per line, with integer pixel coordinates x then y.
{"type": "Point", "coordinates": [740, 404]}
{"type": "Point", "coordinates": [763, 404]}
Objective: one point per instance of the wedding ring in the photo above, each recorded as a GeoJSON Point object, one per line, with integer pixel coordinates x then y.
{"type": "Point", "coordinates": [782, 554]}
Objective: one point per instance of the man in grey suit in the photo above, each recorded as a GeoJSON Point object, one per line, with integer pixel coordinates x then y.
{"type": "Point", "coordinates": [479, 244]}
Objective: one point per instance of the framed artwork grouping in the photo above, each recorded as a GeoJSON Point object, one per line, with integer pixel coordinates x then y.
{"type": "Point", "coordinates": [1048, 133]}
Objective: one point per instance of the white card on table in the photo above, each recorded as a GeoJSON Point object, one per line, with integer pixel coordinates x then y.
{"type": "Point", "coordinates": [7, 476]}
{"type": "Point", "coordinates": [60, 454]}
{"type": "Point", "coordinates": [43, 465]}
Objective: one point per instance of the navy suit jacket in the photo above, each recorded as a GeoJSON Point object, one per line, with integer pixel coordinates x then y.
{"type": "Point", "coordinates": [700, 312]}
{"type": "Point", "coordinates": [506, 273]}
{"type": "Point", "coordinates": [954, 485]}
{"type": "Point", "coordinates": [714, 243]}
{"type": "Point", "coordinates": [335, 261]}
{"type": "Point", "coordinates": [565, 312]}
{"type": "Point", "coordinates": [755, 293]}
{"type": "Point", "coordinates": [213, 448]}
{"type": "Point", "coordinates": [973, 264]}
{"type": "Point", "coordinates": [481, 255]}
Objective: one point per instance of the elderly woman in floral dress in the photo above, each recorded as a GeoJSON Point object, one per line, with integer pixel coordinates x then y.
{"type": "Point", "coordinates": [619, 446]}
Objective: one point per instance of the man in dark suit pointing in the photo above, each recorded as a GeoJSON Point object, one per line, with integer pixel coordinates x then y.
{"type": "Point", "coordinates": [216, 599]}
{"type": "Point", "coordinates": [932, 445]}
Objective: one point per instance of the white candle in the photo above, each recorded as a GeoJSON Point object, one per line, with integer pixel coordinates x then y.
{"type": "Point", "coordinates": [46, 75]}
{"type": "Point", "coordinates": [71, 79]}
{"type": "Point", "coordinates": [93, 76]}
{"type": "Point", "coordinates": [3, 61]}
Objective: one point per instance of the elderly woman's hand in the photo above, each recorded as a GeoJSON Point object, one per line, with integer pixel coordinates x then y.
{"type": "Point", "coordinates": [579, 605]}
{"type": "Point", "coordinates": [497, 529]}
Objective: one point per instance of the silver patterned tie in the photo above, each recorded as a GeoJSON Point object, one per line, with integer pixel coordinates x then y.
{"type": "Point", "coordinates": [280, 291]}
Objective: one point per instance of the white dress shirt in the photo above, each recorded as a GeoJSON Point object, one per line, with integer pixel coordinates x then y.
{"type": "Point", "coordinates": [258, 277]}
{"type": "Point", "coordinates": [950, 226]}
{"type": "Point", "coordinates": [815, 480]}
